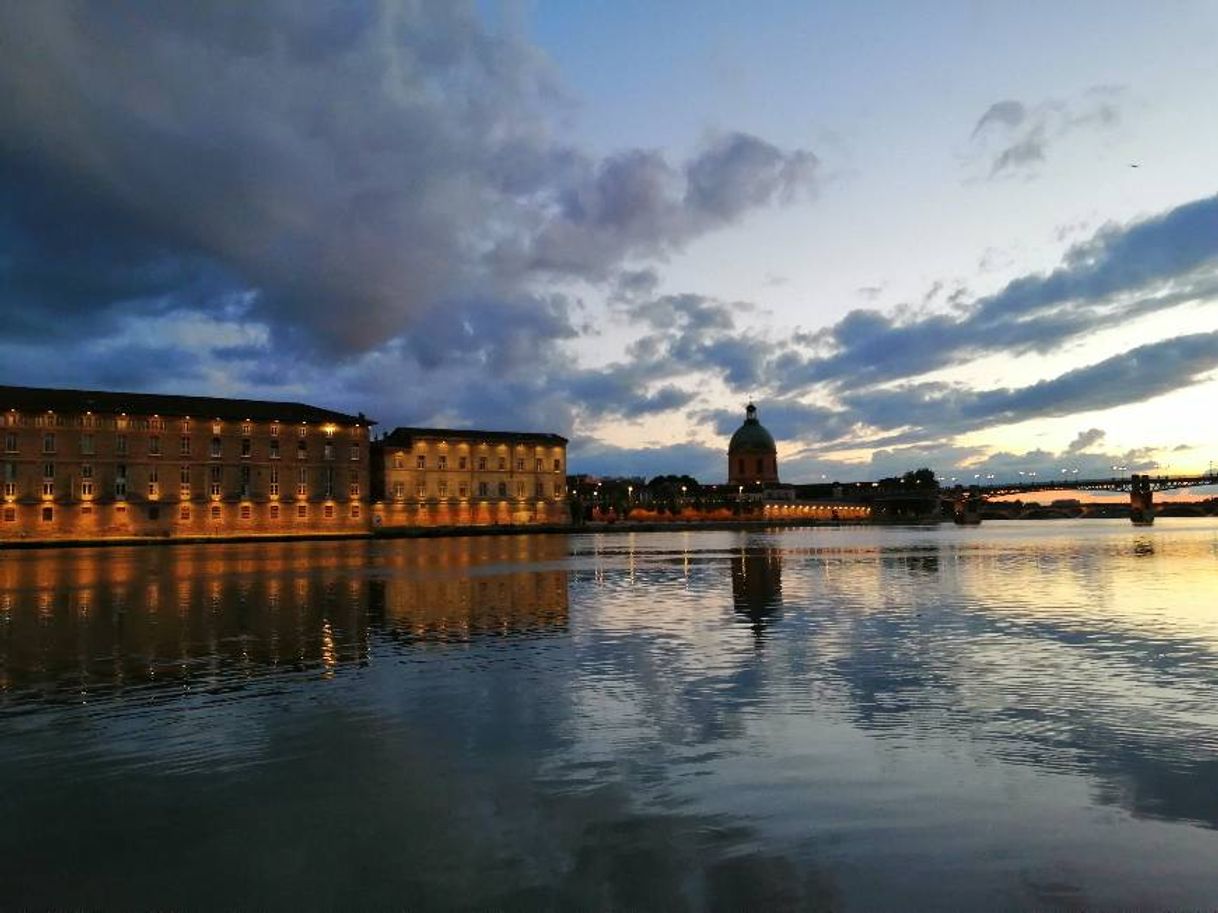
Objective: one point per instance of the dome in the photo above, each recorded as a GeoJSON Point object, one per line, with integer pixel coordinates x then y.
{"type": "Point", "coordinates": [751, 437]}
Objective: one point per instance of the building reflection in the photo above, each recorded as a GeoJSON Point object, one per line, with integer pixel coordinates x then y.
{"type": "Point", "coordinates": [757, 585]}
{"type": "Point", "coordinates": [442, 589]}
{"type": "Point", "coordinates": [76, 624]}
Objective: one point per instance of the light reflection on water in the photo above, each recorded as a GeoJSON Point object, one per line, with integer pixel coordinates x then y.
{"type": "Point", "coordinates": [866, 718]}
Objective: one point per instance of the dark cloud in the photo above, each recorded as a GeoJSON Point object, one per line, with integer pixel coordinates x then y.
{"type": "Point", "coordinates": [1008, 113]}
{"type": "Point", "coordinates": [346, 169]}
{"type": "Point", "coordinates": [1119, 273]}
{"type": "Point", "coordinates": [1015, 137]}
{"type": "Point", "coordinates": [706, 464]}
{"type": "Point", "coordinates": [637, 203]}
{"type": "Point", "coordinates": [1086, 440]}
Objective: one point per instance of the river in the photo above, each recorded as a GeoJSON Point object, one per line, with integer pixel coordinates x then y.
{"type": "Point", "coordinates": [869, 718]}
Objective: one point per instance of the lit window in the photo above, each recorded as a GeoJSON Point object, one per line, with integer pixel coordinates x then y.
{"type": "Point", "coordinates": [185, 426]}
{"type": "Point", "coordinates": [154, 483]}
{"type": "Point", "coordinates": [420, 492]}
{"type": "Point", "coordinates": [399, 460]}
{"type": "Point", "coordinates": [399, 491]}
{"type": "Point", "coordinates": [329, 429]}
{"type": "Point", "coordinates": [302, 430]}
{"type": "Point", "coordinates": [274, 429]}
{"type": "Point", "coordinates": [154, 446]}
{"type": "Point", "coordinates": [121, 423]}
{"type": "Point", "coordinates": [247, 428]}
{"type": "Point", "coordinates": [217, 427]}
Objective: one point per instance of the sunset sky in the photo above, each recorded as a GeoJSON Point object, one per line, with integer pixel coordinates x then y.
{"type": "Point", "coordinates": [981, 238]}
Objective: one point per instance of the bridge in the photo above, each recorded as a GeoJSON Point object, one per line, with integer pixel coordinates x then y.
{"type": "Point", "coordinates": [967, 500]}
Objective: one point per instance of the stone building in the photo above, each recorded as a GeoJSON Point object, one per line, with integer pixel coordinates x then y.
{"type": "Point", "coordinates": [449, 477]}
{"type": "Point", "coordinates": [752, 457]}
{"type": "Point", "coordinates": [84, 464]}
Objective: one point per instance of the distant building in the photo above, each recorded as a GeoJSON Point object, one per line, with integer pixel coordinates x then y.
{"type": "Point", "coordinates": [91, 464]}
{"type": "Point", "coordinates": [458, 477]}
{"type": "Point", "coordinates": [752, 457]}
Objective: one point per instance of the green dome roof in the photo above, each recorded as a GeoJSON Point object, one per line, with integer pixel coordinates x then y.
{"type": "Point", "coordinates": [751, 437]}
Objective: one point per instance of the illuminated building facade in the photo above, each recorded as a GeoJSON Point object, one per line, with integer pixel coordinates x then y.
{"type": "Point", "coordinates": [83, 464]}
{"type": "Point", "coordinates": [445, 477]}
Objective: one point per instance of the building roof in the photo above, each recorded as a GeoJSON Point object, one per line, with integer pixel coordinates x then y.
{"type": "Point", "coordinates": [751, 437]}
{"type": "Point", "coordinates": [45, 399]}
{"type": "Point", "coordinates": [404, 437]}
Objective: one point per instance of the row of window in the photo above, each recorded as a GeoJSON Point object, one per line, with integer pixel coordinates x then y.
{"type": "Point", "coordinates": [328, 511]}
{"type": "Point", "coordinates": [88, 446]}
{"type": "Point", "coordinates": [483, 489]}
{"type": "Point", "coordinates": [154, 423]}
{"type": "Point", "coordinates": [215, 477]}
{"type": "Point", "coordinates": [420, 462]}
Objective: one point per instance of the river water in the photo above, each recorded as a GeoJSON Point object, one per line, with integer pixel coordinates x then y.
{"type": "Point", "coordinates": [1020, 715]}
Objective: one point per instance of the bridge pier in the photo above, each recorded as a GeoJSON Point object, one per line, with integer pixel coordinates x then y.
{"type": "Point", "coordinates": [966, 507]}
{"type": "Point", "coordinates": [1141, 501]}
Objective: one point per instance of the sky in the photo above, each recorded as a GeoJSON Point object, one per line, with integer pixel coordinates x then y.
{"type": "Point", "coordinates": [981, 238]}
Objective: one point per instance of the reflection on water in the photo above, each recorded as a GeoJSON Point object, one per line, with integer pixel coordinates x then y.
{"type": "Point", "coordinates": [81, 624]}
{"type": "Point", "coordinates": [1001, 718]}
{"type": "Point", "coordinates": [757, 584]}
